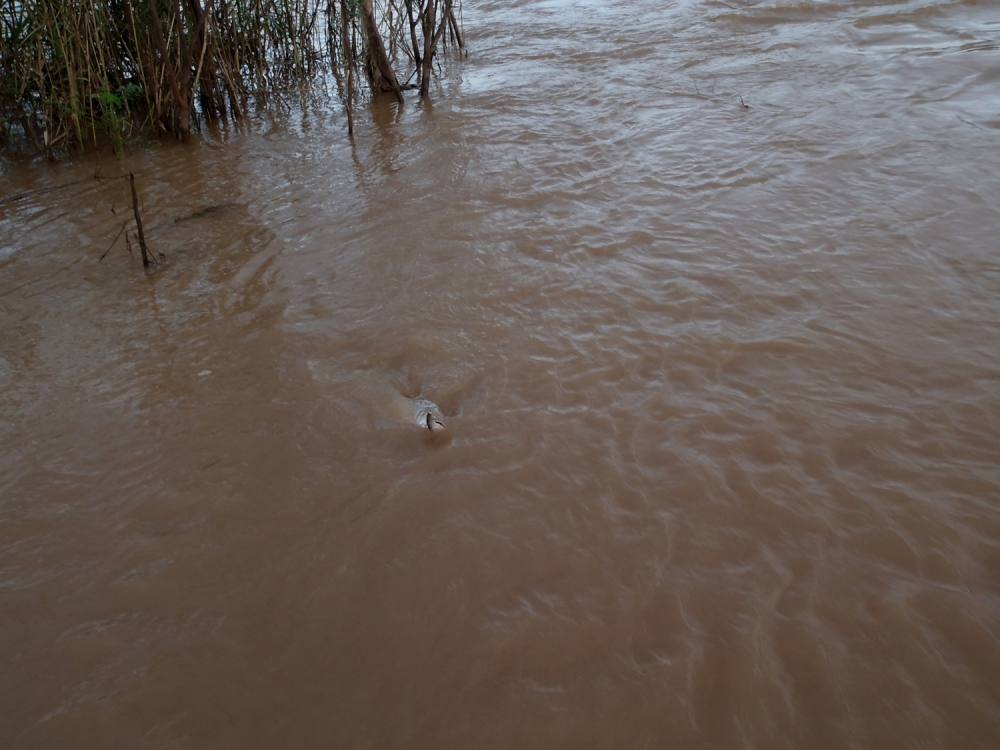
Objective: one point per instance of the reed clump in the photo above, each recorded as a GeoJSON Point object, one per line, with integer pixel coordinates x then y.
{"type": "Point", "coordinates": [75, 73]}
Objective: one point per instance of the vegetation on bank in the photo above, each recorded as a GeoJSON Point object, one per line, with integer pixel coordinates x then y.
{"type": "Point", "coordinates": [76, 72]}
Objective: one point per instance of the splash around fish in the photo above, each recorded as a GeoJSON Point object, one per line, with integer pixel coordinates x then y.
{"type": "Point", "coordinates": [428, 416]}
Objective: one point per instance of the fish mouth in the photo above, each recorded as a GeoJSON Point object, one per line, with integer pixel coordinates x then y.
{"type": "Point", "coordinates": [434, 424]}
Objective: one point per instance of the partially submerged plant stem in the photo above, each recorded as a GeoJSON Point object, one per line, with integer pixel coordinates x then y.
{"type": "Point", "coordinates": [98, 71]}
{"type": "Point", "coordinates": [147, 260]}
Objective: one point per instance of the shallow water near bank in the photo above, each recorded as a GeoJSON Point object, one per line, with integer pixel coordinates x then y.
{"type": "Point", "coordinates": [722, 389]}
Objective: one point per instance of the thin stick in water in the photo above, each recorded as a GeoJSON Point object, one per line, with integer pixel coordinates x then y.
{"type": "Point", "coordinates": [146, 260]}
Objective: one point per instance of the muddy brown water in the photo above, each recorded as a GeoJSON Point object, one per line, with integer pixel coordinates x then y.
{"type": "Point", "coordinates": [723, 391]}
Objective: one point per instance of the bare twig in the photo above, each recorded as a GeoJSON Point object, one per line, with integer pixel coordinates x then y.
{"type": "Point", "coordinates": [104, 254]}
{"type": "Point", "coordinates": [147, 260]}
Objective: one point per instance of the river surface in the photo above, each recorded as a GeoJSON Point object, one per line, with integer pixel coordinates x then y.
{"type": "Point", "coordinates": [722, 389]}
